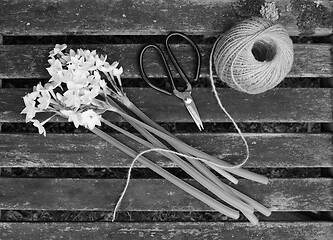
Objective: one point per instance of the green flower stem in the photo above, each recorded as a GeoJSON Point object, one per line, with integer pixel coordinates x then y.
{"type": "Point", "coordinates": [148, 121]}
{"type": "Point", "coordinates": [181, 184]}
{"type": "Point", "coordinates": [174, 157]}
{"type": "Point", "coordinates": [237, 171]}
{"type": "Point", "coordinates": [190, 150]}
{"type": "Point", "coordinates": [207, 183]}
{"type": "Point", "coordinates": [179, 148]}
{"type": "Point", "coordinates": [223, 173]}
{"type": "Point", "coordinates": [144, 132]}
{"type": "Point", "coordinates": [217, 181]}
{"type": "Point", "coordinates": [251, 217]}
{"type": "Point", "coordinates": [128, 134]}
{"type": "Point", "coordinates": [225, 196]}
{"type": "Point", "coordinates": [259, 207]}
{"type": "Point", "coordinates": [144, 117]}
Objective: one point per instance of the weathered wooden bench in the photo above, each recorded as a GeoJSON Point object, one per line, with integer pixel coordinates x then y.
{"type": "Point", "coordinates": [289, 129]}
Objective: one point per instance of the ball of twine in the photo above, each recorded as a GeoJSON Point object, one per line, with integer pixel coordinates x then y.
{"type": "Point", "coordinates": [253, 56]}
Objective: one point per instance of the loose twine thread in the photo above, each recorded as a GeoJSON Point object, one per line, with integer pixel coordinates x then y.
{"type": "Point", "coordinates": [178, 154]}
{"type": "Point", "coordinates": [252, 57]}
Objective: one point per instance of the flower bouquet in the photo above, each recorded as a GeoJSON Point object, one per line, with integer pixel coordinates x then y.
{"type": "Point", "coordinates": [83, 86]}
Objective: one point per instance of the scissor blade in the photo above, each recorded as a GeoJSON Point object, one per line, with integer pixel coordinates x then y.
{"type": "Point", "coordinates": [192, 109]}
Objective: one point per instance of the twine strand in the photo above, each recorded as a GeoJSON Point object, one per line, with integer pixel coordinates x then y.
{"type": "Point", "coordinates": [223, 108]}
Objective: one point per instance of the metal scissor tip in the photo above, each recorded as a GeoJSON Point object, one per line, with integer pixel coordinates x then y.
{"type": "Point", "coordinates": [192, 109]}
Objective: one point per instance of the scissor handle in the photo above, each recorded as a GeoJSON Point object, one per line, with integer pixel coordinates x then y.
{"type": "Point", "coordinates": [174, 60]}
{"type": "Point", "coordinates": [143, 73]}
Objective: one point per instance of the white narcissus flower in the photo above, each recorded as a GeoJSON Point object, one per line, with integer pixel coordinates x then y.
{"type": "Point", "coordinates": [90, 119]}
{"type": "Point", "coordinates": [66, 76]}
{"type": "Point", "coordinates": [43, 97]}
{"type": "Point", "coordinates": [44, 100]}
{"type": "Point", "coordinates": [41, 129]}
{"type": "Point", "coordinates": [99, 62]}
{"type": "Point", "coordinates": [72, 98]}
{"type": "Point", "coordinates": [51, 60]}
{"type": "Point", "coordinates": [59, 97]}
{"type": "Point", "coordinates": [107, 67]}
{"type": "Point", "coordinates": [89, 55]}
{"type": "Point", "coordinates": [55, 81]}
{"type": "Point", "coordinates": [76, 89]}
{"type": "Point", "coordinates": [55, 68]}
{"type": "Point", "coordinates": [72, 117]}
{"type": "Point", "coordinates": [80, 77]}
{"type": "Point", "coordinates": [30, 109]}
{"type": "Point", "coordinates": [102, 84]}
{"type": "Point", "coordinates": [75, 86]}
{"type": "Point", "coordinates": [80, 64]}
{"type": "Point", "coordinates": [87, 96]}
{"type": "Point", "coordinates": [117, 72]}
{"type": "Point", "coordinates": [58, 50]}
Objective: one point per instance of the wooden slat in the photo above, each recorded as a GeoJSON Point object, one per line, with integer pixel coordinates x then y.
{"type": "Point", "coordinates": [88, 150]}
{"type": "Point", "coordinates": [147, 194]}
{"type": "Point", "coordinates": [40, 17]}
{"type": "Point", "coordinates": [30, 61]}
{"type": "Point", "coordinates": [278, 105]}
{"type": "Point", "coordinates": [168, 230]}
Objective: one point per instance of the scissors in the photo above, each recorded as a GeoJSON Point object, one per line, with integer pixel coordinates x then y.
{"type": "Point", "coordinates": [186, 94]}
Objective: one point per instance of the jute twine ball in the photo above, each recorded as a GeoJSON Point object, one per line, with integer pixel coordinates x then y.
{"type": "Point", "coordinates": [253, 56]}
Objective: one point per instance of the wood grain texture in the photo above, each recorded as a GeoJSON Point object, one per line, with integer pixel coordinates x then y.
{"type": "Point", "coordinates": [168, 230]}
{"type": "Point", "coordinates": [88, 150]}
{"type": "Point", "coordinates": [133, 17]}
{"type": "Point", "coordinates": [30, 61]}
{"type": "Point", "coordinates": [147, 194]}
{"type": "Point", "coordinates": [277, 105]}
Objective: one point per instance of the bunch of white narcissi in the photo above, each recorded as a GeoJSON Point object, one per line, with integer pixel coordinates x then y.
{"type": "Point", "coordinates": [83, 85]}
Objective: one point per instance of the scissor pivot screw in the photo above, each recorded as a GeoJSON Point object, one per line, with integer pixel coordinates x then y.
{"type": "Point", "coordinates": [188, 100]}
